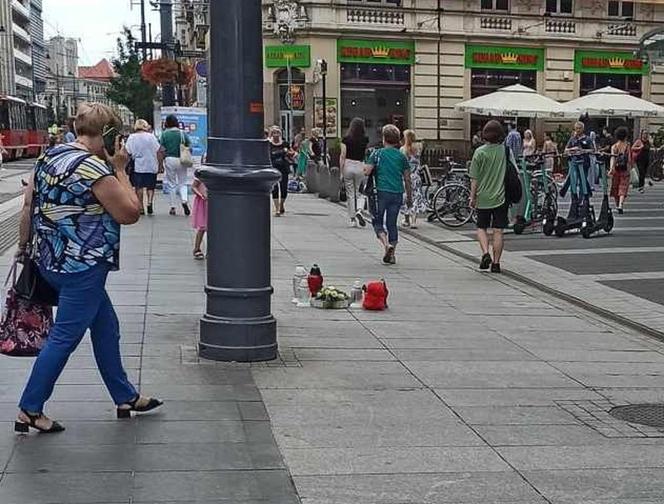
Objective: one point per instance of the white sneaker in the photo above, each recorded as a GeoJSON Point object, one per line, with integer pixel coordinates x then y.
{"type": "Point", "coordinates": [352, 224]}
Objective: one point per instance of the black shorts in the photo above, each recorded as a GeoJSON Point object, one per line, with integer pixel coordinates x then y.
{"type": "Point", "coordinates": [493, 218]}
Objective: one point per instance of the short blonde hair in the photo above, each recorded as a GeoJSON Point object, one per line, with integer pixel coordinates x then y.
{"type": "Point", "coordinates": [92, 118]}
{"type": "Point", "coordinates": [142, 125]}
{"type": "Point", "coordinates": [391, 134]}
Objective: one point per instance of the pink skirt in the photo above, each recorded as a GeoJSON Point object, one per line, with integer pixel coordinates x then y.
{"type": "Point", "coordinates": [199, 213]}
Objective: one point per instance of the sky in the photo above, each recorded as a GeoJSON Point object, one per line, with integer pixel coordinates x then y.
{"type": "Point", "coordinates": [96, 23]}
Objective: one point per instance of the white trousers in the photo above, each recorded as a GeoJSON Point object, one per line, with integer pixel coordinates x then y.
{"type": "Point", "coordinates": [175, 179]}
{"type": "Point", "coordinates": [353, 178]}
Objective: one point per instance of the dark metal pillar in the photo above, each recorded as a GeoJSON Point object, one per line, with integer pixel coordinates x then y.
{"type": "Point", "coordinates": [238, 324]}
{"type": "Point", "coordinates": [166, 17]}
{"type": "Point", "coordinates": [143, 31]}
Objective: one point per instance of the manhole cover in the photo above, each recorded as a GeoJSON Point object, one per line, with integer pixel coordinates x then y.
{"type": "Point", "coordinates": [643, 414]}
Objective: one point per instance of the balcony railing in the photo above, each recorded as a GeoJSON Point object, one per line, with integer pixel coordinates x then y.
{"type": "Point", "coordinates": [24, 57]}
{"type": "Point", "coordinates": [21, 33]}
{"type": "Point", "coordinates": [374, 16]}
{"type": "Point", "coordinates": [21, 9]}
{"type": "Point", "coordinates": [23, 81]}
{"type": "Point", "coordinates": [621, 30]}
{"type": "Point", "coordinates": [560, 26]}
{"type": "Point", "coordinates": [496, 23]}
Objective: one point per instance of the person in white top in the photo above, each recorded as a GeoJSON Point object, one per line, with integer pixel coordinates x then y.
{"type": "Point", "coordinates": [529, 143]}
{"type": "Point", "coordinates": [147, 156]}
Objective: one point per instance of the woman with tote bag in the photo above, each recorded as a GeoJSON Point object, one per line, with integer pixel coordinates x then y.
{"type": "Point", "coordinates": [176, 145]}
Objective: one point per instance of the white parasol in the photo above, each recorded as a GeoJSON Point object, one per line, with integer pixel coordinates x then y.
{"type": "Point", "coordinates": [610, 101]}
{"type": "Point", "coordinates": [513, 101]}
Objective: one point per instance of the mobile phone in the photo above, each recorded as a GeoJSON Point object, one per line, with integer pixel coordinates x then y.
{"type": "Point", "coordinates": [109, 135]}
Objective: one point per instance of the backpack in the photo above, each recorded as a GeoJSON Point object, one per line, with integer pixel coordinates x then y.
{"type": "Point", "coordinates": [375, 296]}
{"type": "Point", "coordinates": [622, 160]}
{"type": "Point", "coordinates": [513, 189]}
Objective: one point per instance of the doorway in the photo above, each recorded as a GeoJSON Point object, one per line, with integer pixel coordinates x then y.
{"type": "Point", "coordinates": [292, 102]}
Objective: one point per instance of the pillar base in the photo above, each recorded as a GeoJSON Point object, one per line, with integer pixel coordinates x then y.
{"type": "Point", "coordinates": [257, 339]}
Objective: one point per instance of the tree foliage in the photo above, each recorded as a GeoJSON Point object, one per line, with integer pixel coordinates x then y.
{"type": "Point", "coordinates": [128, 87]}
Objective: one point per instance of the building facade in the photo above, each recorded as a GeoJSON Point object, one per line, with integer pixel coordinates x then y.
{"type": "Point", "coordinates": [22, 50]}
{"type": "Point", "coordinates": [408, 62]}
{"type": "Point", "coordinates": [192, 27]}
{"type": "Point", "coordinates": [38, 48]}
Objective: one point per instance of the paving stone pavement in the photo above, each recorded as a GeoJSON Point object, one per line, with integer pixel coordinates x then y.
{"type": "Point", "coordinates": [211, 442]}
{"type": "Point", "coordinates": [470, 389]}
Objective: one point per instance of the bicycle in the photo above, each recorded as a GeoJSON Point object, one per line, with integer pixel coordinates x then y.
{"type": "Point", "coordinates": [450, 203]}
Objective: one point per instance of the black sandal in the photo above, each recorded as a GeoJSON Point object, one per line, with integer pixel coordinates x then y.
{"type": "Point", "coordinates": [24, 428]}
{"type": "Point", "coordinates": [133, 406]}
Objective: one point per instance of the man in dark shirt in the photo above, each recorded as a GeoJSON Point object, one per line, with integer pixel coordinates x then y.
{"type": "Point", "coordinates": [606, 141]}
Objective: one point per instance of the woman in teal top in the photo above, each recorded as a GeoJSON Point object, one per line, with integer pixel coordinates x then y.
{"type": "Point", "coordinates": [392, 175]}
{"type": "Point", "coordinates": [175, 175]}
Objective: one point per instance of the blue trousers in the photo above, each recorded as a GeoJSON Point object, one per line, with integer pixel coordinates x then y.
{"type": "Point", "coordinates": [387, 213]}
{"type": "Point", "coordinates": [83, 304]}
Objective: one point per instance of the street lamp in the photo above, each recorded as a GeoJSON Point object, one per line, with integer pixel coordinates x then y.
{"type": "Point", "coordinates": [238, 324]}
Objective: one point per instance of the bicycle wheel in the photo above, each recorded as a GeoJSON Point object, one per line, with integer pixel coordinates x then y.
{"type": "Point", "coordinates": [451, 204]}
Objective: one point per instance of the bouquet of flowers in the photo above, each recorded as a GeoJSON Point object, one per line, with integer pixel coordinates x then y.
{"type": "Point", "coordinates": [331, 298]}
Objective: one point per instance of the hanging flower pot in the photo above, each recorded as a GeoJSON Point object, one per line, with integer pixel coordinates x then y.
{"type": "Point", "coordinates": [160, 71]}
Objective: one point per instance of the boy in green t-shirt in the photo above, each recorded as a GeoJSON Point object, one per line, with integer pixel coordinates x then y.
{"type": "Point", "coordinates": [487, 193]}
{"type": "Point", "coordinates": [392, 175]}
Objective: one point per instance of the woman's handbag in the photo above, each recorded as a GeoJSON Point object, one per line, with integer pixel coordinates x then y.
{"type": "Point", "coordinates": [31, 285]}
{"type": "Point", "coordinates": [25, 324]}
{"type": "Point", "coordinates": [186, 159]}
{"type": "Point", "coordinates": [370, 190]}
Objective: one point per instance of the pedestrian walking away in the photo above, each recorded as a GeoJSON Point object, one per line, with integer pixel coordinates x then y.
{"type": "Point", "coordinates": [487, 194]}
{"type": "Point", "coordinates": [353, 155]}
{"type": "Point", "coordinates": [81, 197]}
{"type": "Point", "coordinates": [620, 166]}
{"type": "Point", "coordinates": [392, 177]}
{"type": "Point", "coordinates": [513, 141]}
{"type": "Point", "coordinates": [175, 175]}
{"type": "Point", "coordinates": [147, 153]}
{"type": "Point", "coordinates": [412, 151]}
{"type": "Point", "coordinates": [199, 216]}
{"type": "Point", "coordinates": [641, 157]}
{"type": "Point", "coordinates": [280, 157]}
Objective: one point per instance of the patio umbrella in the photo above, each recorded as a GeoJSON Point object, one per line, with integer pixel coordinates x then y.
{"type": "Point", "coordinates": [512, 101]}
{"type": "Point", "coordinates": [610, 101]}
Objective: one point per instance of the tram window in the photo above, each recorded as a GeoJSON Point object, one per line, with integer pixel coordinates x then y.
{"type": "Point", "coordinates": [4, 116]}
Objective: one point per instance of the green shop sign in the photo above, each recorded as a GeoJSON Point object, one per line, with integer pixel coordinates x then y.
{"type": "Point", "coordinates": [383, 52]}
{"type": "Point", "coordinates": [507, 58]}
{"type": "Point", "coordinates": [609, 62]}
{"type": "Point", "coordinates": [279, 56]}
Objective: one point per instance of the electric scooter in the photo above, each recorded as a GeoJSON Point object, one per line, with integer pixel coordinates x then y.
{"type": "Point", "coordinates": [536, 183]}
{"type": "Point", "coordinates": [605, 220]}
{"type": "Point", "coordinates": [580, 195]}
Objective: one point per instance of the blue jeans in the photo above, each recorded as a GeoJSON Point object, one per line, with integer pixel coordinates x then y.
{"type": "Point", "coordinates": [389, 205]}
{"type": "Point", "coordinates": [83, 304]}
